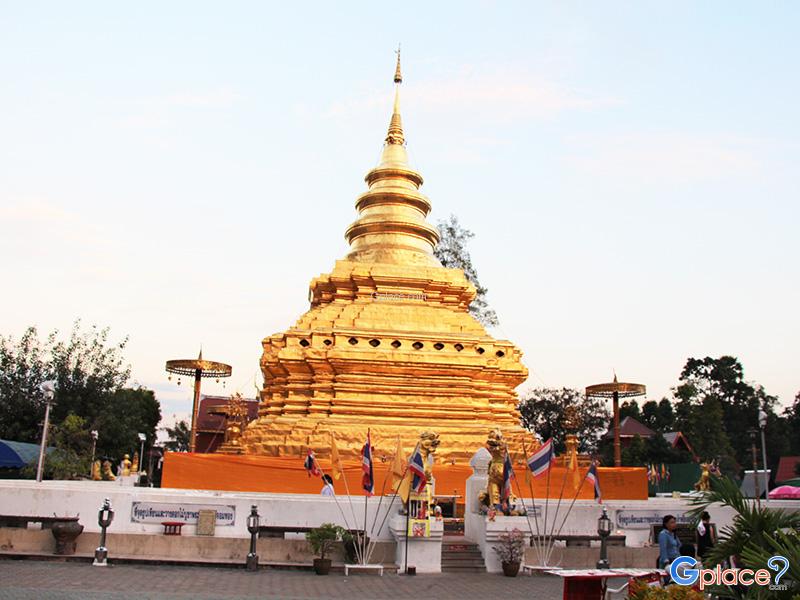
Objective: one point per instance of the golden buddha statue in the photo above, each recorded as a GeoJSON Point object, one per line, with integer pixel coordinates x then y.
{"type": "Point", "coordinates": [388, 342]}
{"type": "Point", "coordinates": [125, 466]}
{"type": "Point", "coordinates": [135, 464]}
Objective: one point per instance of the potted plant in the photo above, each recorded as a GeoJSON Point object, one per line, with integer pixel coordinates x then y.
{"type": "Point", "coordinates": [511, 551]}
{"type": "Point", "coordinates": [322, 540]}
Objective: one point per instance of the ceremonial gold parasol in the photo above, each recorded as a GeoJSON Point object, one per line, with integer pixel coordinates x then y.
{"type": "Point", "coordinates": [197, 368]}
{"type": "Point", "coordinates": [616, 390]}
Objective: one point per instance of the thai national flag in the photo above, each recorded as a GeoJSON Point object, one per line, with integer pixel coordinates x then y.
{"type": "Point", "coordinates": [367, 479]}
{"type": "Point", "coordinates": [591, 477]}
{"type": "Point", "coordinates": [539, 462]}
{"type": "Point", "coordinates": [508, 474]}
{"type": "Point", "coordinates": [311, 464]}
{"type": "Point", "coordinates": [416, 465]}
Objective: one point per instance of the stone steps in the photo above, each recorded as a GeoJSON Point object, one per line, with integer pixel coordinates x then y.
{"type": "Point", "coordinates": [461, 556]}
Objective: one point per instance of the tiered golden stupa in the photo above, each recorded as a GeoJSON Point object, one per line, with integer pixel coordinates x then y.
{"type": "Point", "coordinates": [388, 342]}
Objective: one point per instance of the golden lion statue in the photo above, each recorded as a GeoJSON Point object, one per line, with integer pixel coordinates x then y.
{"type": "Point", "coordinates": [498, 448]}
{"type": "Point", "coordinates": [428, 442]}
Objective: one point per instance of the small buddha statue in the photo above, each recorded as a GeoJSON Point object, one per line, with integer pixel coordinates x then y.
{"type": "Point", "coordinates": [135, 465]}
{"type": "Point", "coordinates": [126, 465]}
{"type": "Point", "coordinates": [96, 473]}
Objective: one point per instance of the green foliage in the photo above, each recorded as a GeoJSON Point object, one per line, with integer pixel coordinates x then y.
{"type": "Point", "coordinates": [323, 538]}
{"type": "Point", "coordinates": [542, 411]}
{"type": "Point", "coordinates": [179, 437]}
{"type": "Point", "coordinates": [716, 408]}
{"type": "Point", "coordinates": [90, 373]}
{"type": "Point", "coordinates": [658, 416]}
{"type": "Point", "coordinates": [452, 253]}
{"type": "Point", "coordinates": [24, 365]}
{"type": "Point", "coordinates": [72, 457]}
{"type": "Point", "coordinates": [128, 412]}
{"type": "Point", "coordinates": [639, 590]}
{"type": "Point", "coordinates": [782, 543]}
{"type": "Point", "coordinates": [630, 408]}
{"type": "Point", "coordinates": [754, 531]}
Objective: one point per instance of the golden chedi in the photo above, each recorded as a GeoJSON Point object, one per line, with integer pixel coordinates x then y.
{"type": "Point", "coordinates": [388, 342]}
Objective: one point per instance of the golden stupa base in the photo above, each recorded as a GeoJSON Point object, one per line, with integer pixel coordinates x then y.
{"type": "Point", "coordinates": [293, 437]}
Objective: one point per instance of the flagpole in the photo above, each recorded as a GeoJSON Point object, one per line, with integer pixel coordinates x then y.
{"type": "Point", "coordinates": [555, 517]}
{"type": "Point", "coordinates": [408, 521]}
{"type": "Point", "coordinates": [352, 510]}
{"type": "Point", "coordinates": [346, 524]}
{"type": "Point", "coordinates": [577, 493]}
{"type": "Point", "coordinates": [547, 490]}
{"type": "Point", "coordinates": [533, 499]}
{"type": "Point", "coordinates": [527, 516]}
{"type": "Point", "coordinates": [388, 509]}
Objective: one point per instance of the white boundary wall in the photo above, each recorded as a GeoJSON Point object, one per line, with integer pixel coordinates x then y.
{"type": "Point", "coordinates": [84, 498]}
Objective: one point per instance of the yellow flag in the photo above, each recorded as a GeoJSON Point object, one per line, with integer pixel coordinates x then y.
{"type": "Point", "coordinates": [336, 462]}
{"type": "Point", "coordinates": [401, 481]}
{"type": "Point", "coordinates": [398, 464]}
{"type": "Point", "coordinates": [573, 466]}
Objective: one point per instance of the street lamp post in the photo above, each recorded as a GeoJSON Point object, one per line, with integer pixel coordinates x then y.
{"type": "Point", "coordinates": [104, 518]}
{"type": "Point", "coordinates": [48, 389]}
{"type": "Point", "coordinates": [762, 424]}
{"type": "Point", "coordinates": [252, 527]}
{"type": "Point", "coordinates": [603, 530]}
{"type": "Point", "coordinates": [752, 433]}
{"type": "Point", "coordinates": [94, 449]}
{"type": "Point", "coordinates": [142, 438]}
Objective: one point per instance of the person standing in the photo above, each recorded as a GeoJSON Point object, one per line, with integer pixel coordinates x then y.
{"type": "Point", "coordinates": [668, 543]}
{"type": "Point", "coordinates": [327, 489]}
{"type": "Point", "coordinates": [705, 537]}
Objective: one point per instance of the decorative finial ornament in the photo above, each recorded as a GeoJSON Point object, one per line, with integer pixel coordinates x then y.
{"type": "Point", "coordinates": [395, 134]}
{"type": "Point", "coordinates": [398, 78]}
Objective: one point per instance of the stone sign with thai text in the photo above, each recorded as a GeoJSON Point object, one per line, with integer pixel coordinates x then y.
{"type": "Point", "coordinates": [158, 512]}
{"type": "Point", "coordinates": [643, 519]}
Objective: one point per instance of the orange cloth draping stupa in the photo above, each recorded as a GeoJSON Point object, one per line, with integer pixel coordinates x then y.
{"type": "Point", "coordinates": [388, 342]}
{"type": "Point", "coordinates": [285, 475]}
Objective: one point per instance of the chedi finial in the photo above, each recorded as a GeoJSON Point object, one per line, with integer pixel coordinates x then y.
{"type": "Point", "coordinates": [395, 133]}
{"type": "Point", "coordinates": [398, 78]}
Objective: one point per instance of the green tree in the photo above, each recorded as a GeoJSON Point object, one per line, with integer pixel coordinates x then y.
{"type": "Point", "coordinates": [543, 411]}
{"type": "Point", "coordinates": [23, 367]}
{"type": "Point", "coordinates": [90, 373]}
{"type": "Point", "coordinates": [630, 408]}
{"type": "Point", "coordinates": [722, 379]}
{"type": "Point", "coordinates": [178, 437]}
{"type": "Point", "coordinates": [129, 411]}
{"type": "Point", "coordinates": [452, 253]}
{"type": "Point", "coordinates": [72, 456]}
{"type": "Point", "coordinates": [658, 416]}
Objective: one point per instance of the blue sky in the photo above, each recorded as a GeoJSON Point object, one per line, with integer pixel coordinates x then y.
{"type": "Point", "coordinates": [180, 171]}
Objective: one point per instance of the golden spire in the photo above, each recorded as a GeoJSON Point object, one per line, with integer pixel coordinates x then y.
{"type": "Point", "coordinates": [395, 135]}
{"type": "Point", "coordinates": [391, 227]}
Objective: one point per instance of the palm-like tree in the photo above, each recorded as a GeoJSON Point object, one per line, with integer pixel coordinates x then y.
{"type": "Point", "coordinates": [756, 534]}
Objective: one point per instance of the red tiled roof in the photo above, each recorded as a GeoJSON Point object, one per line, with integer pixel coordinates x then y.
{"type": "Point", "coordinates": [630, 427]}
{"type": "Point", "coordinates": [786, 468]}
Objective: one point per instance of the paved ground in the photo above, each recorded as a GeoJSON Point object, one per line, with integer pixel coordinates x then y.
{"type": "Point", "coordinates": [32, 580]}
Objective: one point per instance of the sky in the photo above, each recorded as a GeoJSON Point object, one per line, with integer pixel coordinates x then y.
{"type": "Point", "coordinates": [180, 171]}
